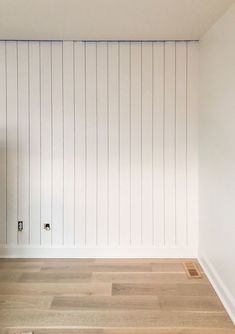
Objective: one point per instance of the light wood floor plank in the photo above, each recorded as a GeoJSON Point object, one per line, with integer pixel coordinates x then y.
{"type": "Point", "coordinates": [190, 303]}
{"type": "Point", "coordinates": [118, 319]}
{"type": "Point", "coordinates": [9, 276]}
{"type": "Point", "coordinates": [20, 267]}
{"type": "Point", "coordinates": [55, 267]}
{"type": "Point", "coordinates": [168, 267]}
{"type": "Point", "coordinates": [55, 289]}
{"type": "Point", "coordinates": [58, 277]}
{"type": "Point", "coordinates": [165, 303]}
{"type": "Point", "coordinates": [100, 303]}
{"type": "Point", "coordinates": [172, 289]}
{"type": "Point", "coordinates": [121, 331]}
{"type": "Point", "coordinates": [21, 302]}
{"type": "Point", "coordinates": [146, 278]}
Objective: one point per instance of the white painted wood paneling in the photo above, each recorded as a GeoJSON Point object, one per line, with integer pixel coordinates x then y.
{"type": "Point", "coordinates": [12, 134]}
{"type": "Point", "coordinates": [100, 140]}
{"type": "Point", "coordinates": [114, 134]}
{"type": "Point", "coordinates": [3, 144]}
{"type": "Point", "coordinates": [147, 141]}
{"type": "Point", "coordinates": [136, 145]}
{"type": "Point", "coordinates": [192, 144]}
{"type": "Point", "coordinates": [46, 140]}
{"type": "Point", "coordinates": [158, 144]}
{"type": "Point", "coordinates": [80, 142]}
{"type": "Point", "coordinates": [35, 142]}
{"type": "Point", "coordinates": [169, 145]}
{"type": "Point", "coordinates": [57, 144]}
{"type": "Point", "coordinates": [180, 145]}
{"type": "Point", "coordinates": [102, 144]}
{"type": "Point", "coordinates": [125, 144]}
{"type": "Point", "coordinates": [91, 141]}
{"type": "Point", "coordinates": [69, 123]}
{"type": "Point", "coordinates": [23, 140]}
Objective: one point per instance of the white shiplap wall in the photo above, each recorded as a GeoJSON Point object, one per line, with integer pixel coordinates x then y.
{"type": "Point", "coordinates": [100, 140]}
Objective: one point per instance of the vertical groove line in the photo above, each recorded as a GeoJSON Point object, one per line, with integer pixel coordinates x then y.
{"type": "Point", "coordinates": [141, 143]}
{"type": "Point", "coordinates": [108, 143]}
{"type": "Point", "coordinates": [63, 136]}
{"type": "Point", "coordinates": [119, 232]}
{"type": "Point", "coordinates": [29, 144]}
{"type": "Point", "coordinates": [175, 148]}
{"type": "Point", "coordinates": [153, 119]}
{"type": "Point", "coordinates": [186, 129]}
{"type": "Point", "coordinates": [52, 165]}
{"type": "Point", "coordinates": [164, 176]}
{"type": "Point", "coordinates": [17, 135]}
{"type": "Point", "coordinates": [74, 148]}
{"type": "Point", "coordinates": [6, 82]}
{"type": "Point", "coordinates": [130, 140]}
{"type": "Point", "coordinates": [40, 140]}
{"type": "Point", "coordinates": [85, 84]}
{"type": "Point", "coordinates": [97, 147]}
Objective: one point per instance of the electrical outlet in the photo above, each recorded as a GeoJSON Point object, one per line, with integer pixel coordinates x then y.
{"type": "Point", "coordinates": [20, 226]}
{"type": "Point", "coordinates": [47, 227]}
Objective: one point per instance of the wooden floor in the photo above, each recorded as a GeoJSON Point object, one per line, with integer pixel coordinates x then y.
{"type": "Point", "coordinates": [58, 296]}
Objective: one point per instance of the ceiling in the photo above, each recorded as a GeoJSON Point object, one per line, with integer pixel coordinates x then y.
{"type": "Point", "coordinates": [109, 19]}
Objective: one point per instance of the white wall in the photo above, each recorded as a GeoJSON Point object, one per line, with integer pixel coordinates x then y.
{"type": "Point", "coordinates": [217, 157]}
{"type": "Point", "coordinates": [100, 140]}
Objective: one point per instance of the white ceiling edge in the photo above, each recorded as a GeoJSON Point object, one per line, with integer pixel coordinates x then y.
{"type": "Point", "coordinates": [108, 19]}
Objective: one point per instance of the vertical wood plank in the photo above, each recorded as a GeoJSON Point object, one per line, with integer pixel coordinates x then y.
{"type": "Point", "coordinates": [146, 159]}
{"type": "Point", "coordinates": [192, 144]}
{"type": "Point", "coordinates": [12, 131]}
{"type": "Point", "coordinates": [68, 86]}
{"type": "Point", "coordinates": [181, 130]}
{"type": "Point", "coordinates": [125, 142]}
{"type": "Point", "coordinates": [3, 137]}
{"type": "Point", "coordinates": [23, 141]}
{"type": "Point", "coordinates": [91, 137]}
{"type": "Point", "coordinates": [136, 144]}
{"type": "Point", "coordinates": [169, 143]}
{"type": "Point", "coordinates": [102, 144]}
{"type": "Point", "coordinates": [158, 142]}
{"type": "Point", "coordinates": [80, 143]}
{"type": "Point", "coordinates": [100, 139]}
{"type": "Point", "coordinates": [46, 161]}
{"type": "Point", "coordinates": [35, 143]}
{"type": "Point", "coordinates": [57, 144]}
{"type": "Point", "coordinates": [113, 107]}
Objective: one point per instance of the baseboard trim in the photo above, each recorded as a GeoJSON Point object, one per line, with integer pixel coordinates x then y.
{"type": "Point", "coordinates": [219, 286]}
{"type": "Point", "coordinates": [94, 252]}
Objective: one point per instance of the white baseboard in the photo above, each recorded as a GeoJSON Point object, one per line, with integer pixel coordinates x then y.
{"type": "Point", "coordinates": [94, 252]}
{"type": "Point", "coordinates": [220, 288]}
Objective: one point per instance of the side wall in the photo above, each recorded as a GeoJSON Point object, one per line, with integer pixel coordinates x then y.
{"type": "Point", "coordinates": [100, 141]}
{"type": "Point", "coordinates": [217, 157]}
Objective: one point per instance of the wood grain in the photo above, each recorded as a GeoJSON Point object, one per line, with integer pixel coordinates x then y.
{"type": "Point", "coordinates": [58, 277]}
{"type": "Point", "coordinates": [163, 289]}
{"type": "Point", "coordinates": [98, 268]}
{"type": "Point", "coordinates": [29, 317]}
{"type": "Point", "coordinates": [106, 303]}
{"type": "Point", "coordinates": [25, 302]}
{"type": "Point", "coordinates": [87, 296]}
{"type": "Point", "coordinates": [56, 289]}
{"type": "Point", "coordinates": [138, 277]}
{"type": "Point", "coordinates": [121, 331]}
